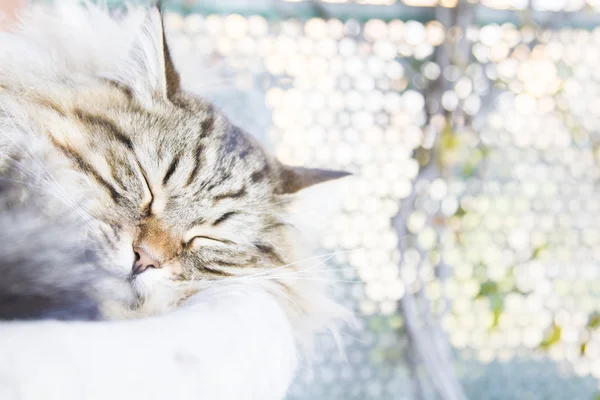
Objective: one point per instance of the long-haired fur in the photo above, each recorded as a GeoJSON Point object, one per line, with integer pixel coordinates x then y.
{"type": "Point", "coordinates": [42, 205]}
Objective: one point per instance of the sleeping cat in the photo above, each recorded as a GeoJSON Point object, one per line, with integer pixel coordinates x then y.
{"type": "Point", "coordinates": [156, 194]}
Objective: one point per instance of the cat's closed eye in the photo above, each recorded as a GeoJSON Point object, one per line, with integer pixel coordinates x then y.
{"type": "Point", "coordinates": [203, 241]}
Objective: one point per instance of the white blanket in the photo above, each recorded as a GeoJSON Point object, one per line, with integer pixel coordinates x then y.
{"type": "Point", "coordinates": [223, 344]}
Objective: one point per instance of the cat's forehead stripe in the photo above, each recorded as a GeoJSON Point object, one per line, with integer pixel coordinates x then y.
{"type": "Point", "coordinates": [80, 163]}
{"type": "Point", "coordinates": [172, 167]}
{"type": "Point", "coordinates": [231, 195]}
{"type": "Point", "coordinates": [224, 217]}
{"type": "Point", "coordinates": [197, 163]}
{"type": "Point", "coordinates": [104, 125]}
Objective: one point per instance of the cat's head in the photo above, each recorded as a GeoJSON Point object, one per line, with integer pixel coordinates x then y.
{"type": "Point", "coordinates": [179, 194]}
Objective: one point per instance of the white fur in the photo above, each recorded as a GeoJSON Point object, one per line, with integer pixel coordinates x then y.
{"type": "Point", "coordinates": [229, 343]}
{"type": "Point", "coordinates": [73, 43]}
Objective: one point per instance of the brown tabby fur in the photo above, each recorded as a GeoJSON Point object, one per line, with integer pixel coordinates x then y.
{"type": "Point", "coordinates": [171, 176]}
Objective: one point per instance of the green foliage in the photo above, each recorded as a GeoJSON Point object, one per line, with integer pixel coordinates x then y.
{"type": "Point", "coordinates": [552, 337]}
{"type": "Point", "coordinates": [488, 289]}
{"type": "Point", "coordinates": [460, 212]}
{"type": "Point", "coordinates": [491, 291]}
{"type": "Point", "coordinates": [592, 324]}
{"type": "Point", "coordinates": [449, 139]}
{"type": "Point", "coordinates": [497, 305]}
{"type": "Point", "coordinates": [593, 321]}
{"type": "Point", "coordinates": [496, 291]}
{"type": "Point", "coordinates": [538, 251]}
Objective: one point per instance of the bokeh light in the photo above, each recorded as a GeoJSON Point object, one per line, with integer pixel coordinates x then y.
{"type": "Point", "coordinates": [474, 202]}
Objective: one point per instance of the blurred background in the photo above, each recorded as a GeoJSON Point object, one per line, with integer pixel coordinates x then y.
{"type": "Point", "coordinates": [469, 240]}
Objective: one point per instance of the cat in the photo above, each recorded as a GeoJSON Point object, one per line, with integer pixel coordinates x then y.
{"type": "Point", "coordinates": [142, 198]}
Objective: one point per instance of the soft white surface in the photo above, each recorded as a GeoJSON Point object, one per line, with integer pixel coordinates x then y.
{"type": "Point", "coordinates": [224, 344]}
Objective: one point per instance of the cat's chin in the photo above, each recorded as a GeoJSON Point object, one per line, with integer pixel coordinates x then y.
{"type": "Point", "coordinates": [126, 298]}
{"type": "Point", "coordinates": [140, 308]}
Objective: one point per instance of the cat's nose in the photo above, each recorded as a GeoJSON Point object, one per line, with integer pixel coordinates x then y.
{"type": "Point", "coordinates": [143, 261]}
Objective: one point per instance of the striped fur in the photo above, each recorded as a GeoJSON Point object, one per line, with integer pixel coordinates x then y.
{"type": "Point", "coordinates": [148, 165]}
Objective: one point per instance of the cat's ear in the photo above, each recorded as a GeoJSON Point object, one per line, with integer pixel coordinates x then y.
{"type": "Point", "coordinates": [294, 179]}
{"type": "Point", "coordinates": [151, 57]}
{"type": "Point", "coordinates": [172, 79]}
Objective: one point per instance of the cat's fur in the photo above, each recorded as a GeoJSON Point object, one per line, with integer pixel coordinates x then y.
{"type": "Point", "coordinates": [100, 146]}
{"type": "Point", "coordinates": [231, 343]}
{"type": "Point", "coordinates": [33, 256]}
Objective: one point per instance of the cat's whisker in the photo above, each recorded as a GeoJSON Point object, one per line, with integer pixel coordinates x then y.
{"type": "Point", "coordinates": [332, 255]}
{"type": "Point", "coordinates": [260, 213]}
{"type": "Point", "coordinates": [311, 272]}
{"type": "Point", "coordinates": [290, 300]}
{"type": "Point", "coordinates": [270, 276]}
{"type": "Point", "coordinates": [262, 236]}
{"type": "Point", "coordinates": [269, 271]}
{"type": "Point", "coordinates": [282, 202]}
{"type": "Point", "coordinates": [25, 183]}
{"type": "Point", "coordinates": [53, 189]}
{"type": "Point", "coordinates": [315, 279]}
{"type": "Point", "coordinates": [280, 218]}
{"type": "Point", "coordinates": [22, 168]}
